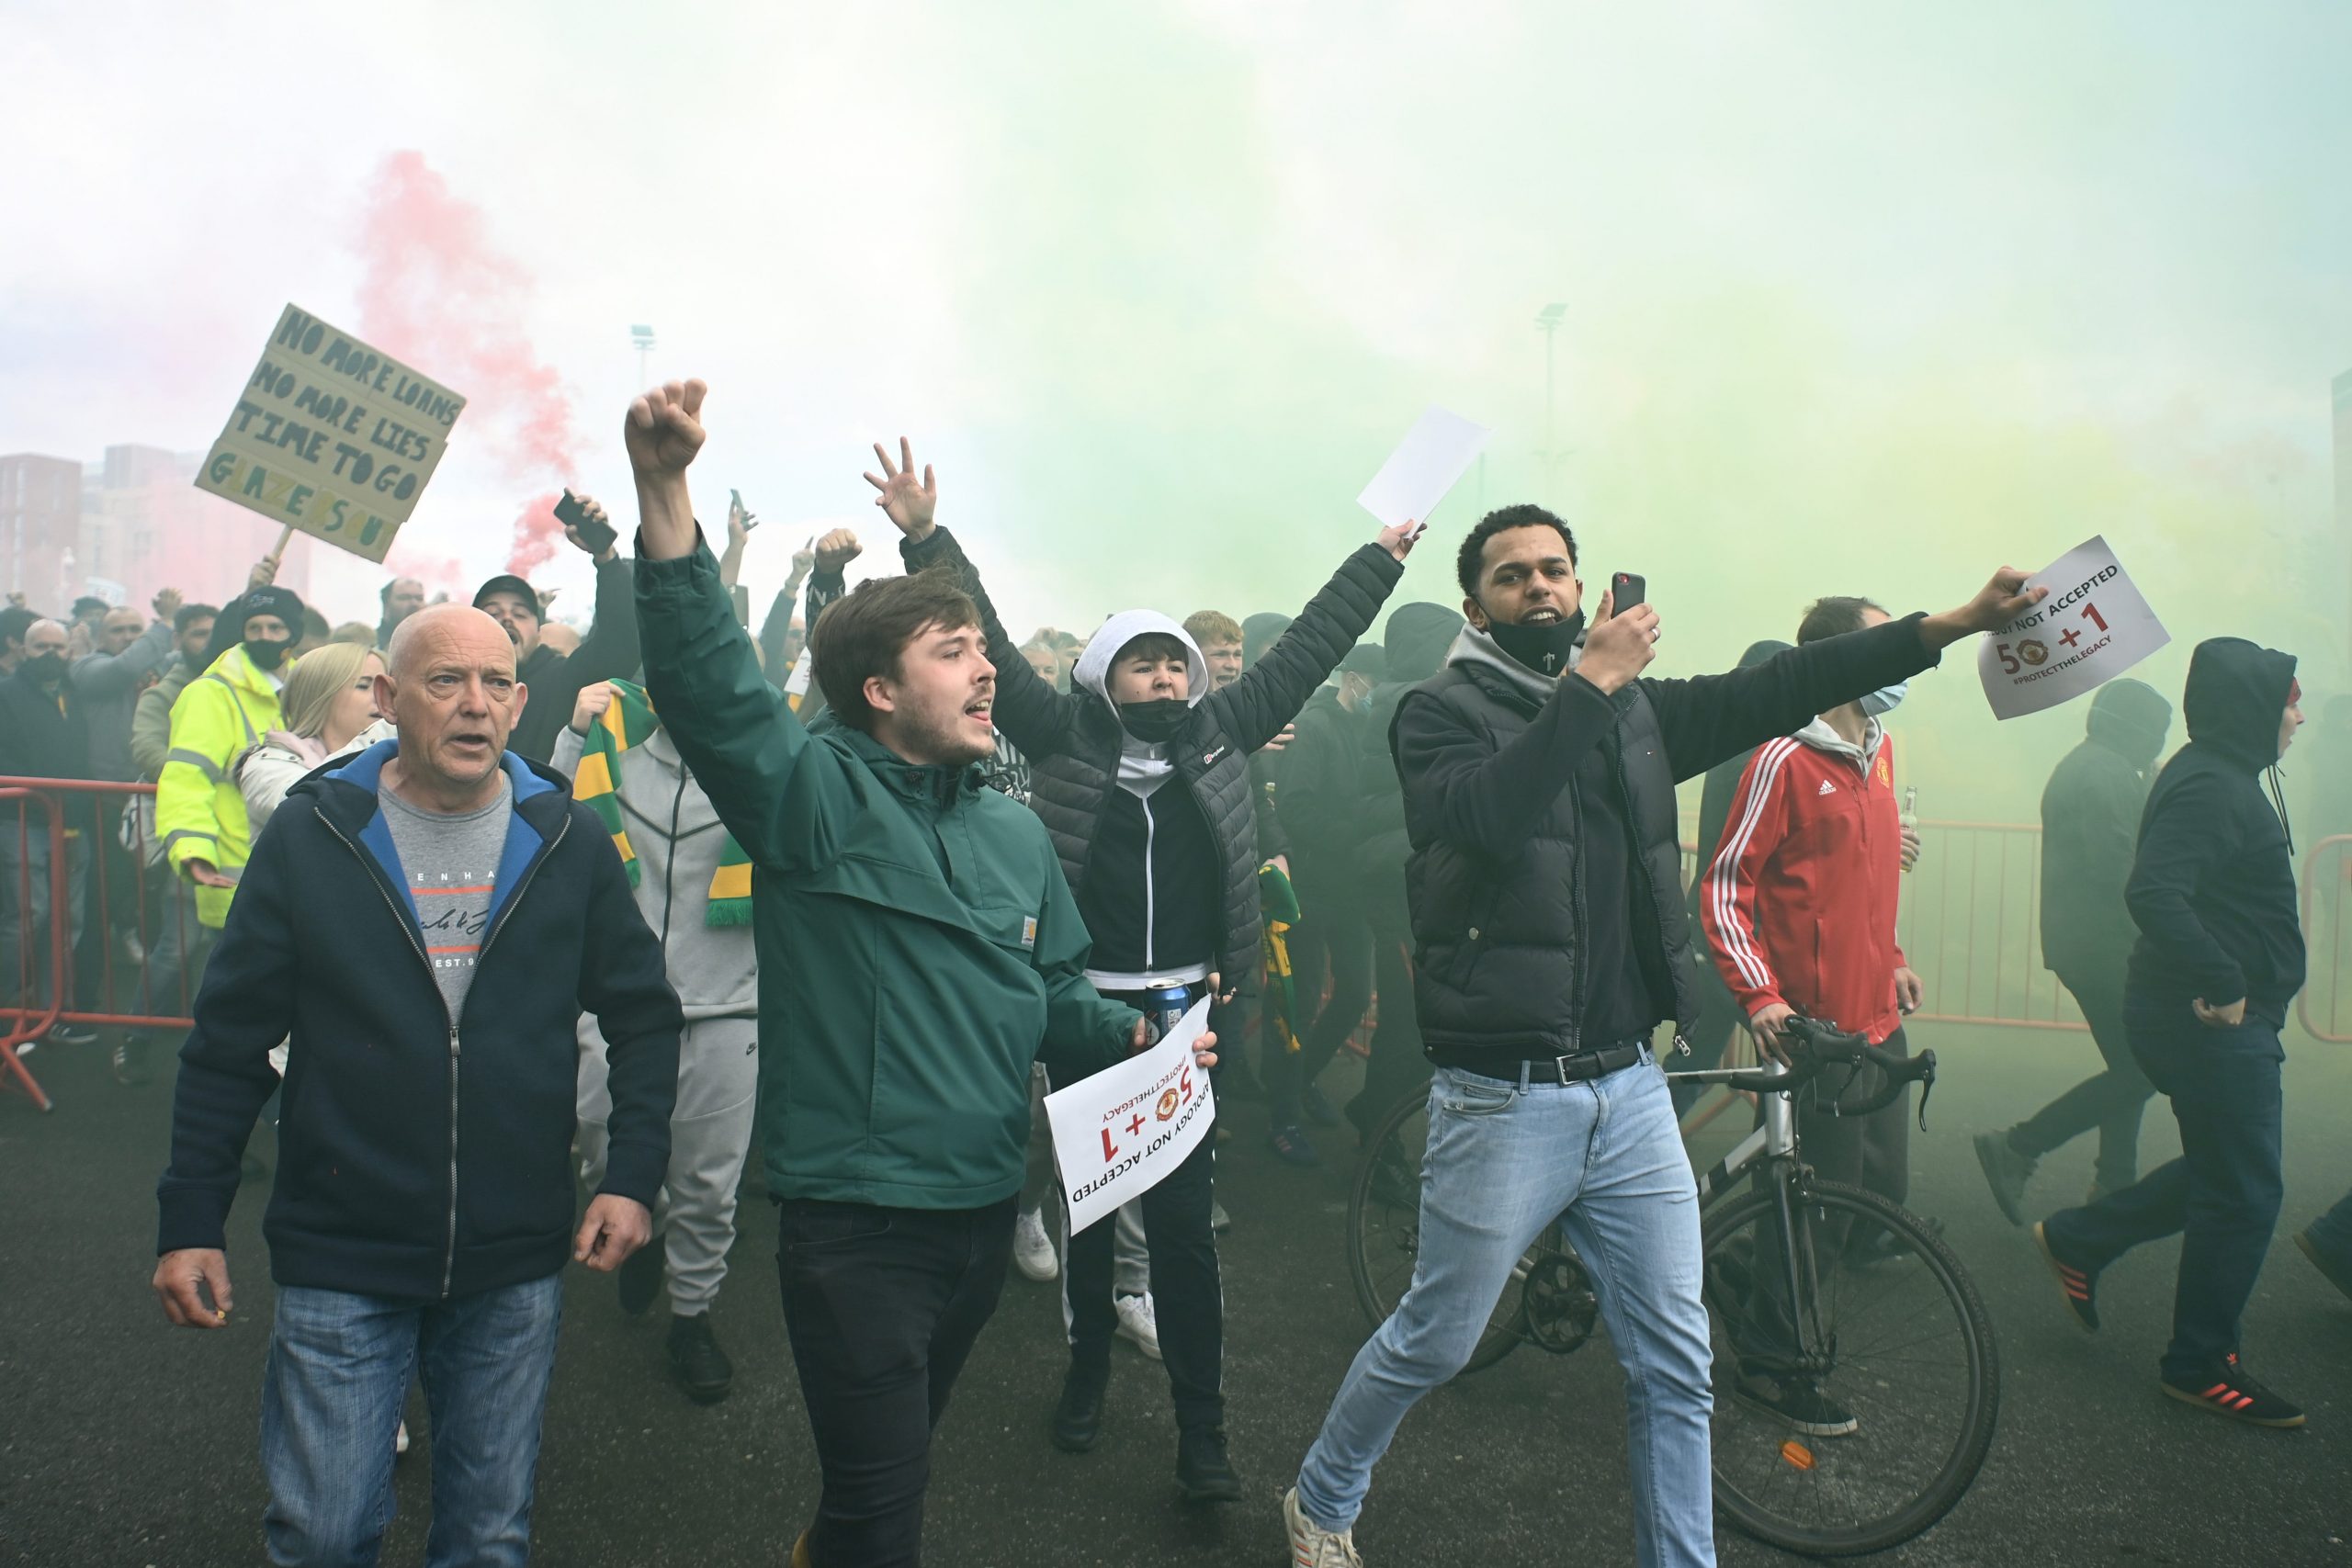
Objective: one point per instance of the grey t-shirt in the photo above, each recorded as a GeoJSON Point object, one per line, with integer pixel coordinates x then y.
{"type": "Point", "coordinates": [451, 863]}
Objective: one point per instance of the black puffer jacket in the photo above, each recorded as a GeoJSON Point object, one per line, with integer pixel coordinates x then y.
{"type": "Point", "coordinates": [1072, 741]}
{"type": "Point", "coordinates": [1496, 762]}
{"type": "Point", "coordinates": [2212, 887]}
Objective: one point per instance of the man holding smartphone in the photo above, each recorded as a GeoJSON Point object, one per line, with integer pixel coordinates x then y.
{"type": "Point", "coordinates": [1538, 770]}
{"type": "Point", "coordinates": [607, 653]}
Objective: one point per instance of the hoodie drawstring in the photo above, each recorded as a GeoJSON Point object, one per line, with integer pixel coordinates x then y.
{"type": "Point", "coordinates": [2278, 799]}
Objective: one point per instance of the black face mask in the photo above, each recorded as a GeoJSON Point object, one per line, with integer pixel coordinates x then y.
{"type": "Point", "coordinates": [267, 656]}
{"type": "Point", "coordinates": [1543, 648]}
{"type": "Point", "coordinates": [46, 668]}
{"type": "Point", "coordinates": [1155, 721]}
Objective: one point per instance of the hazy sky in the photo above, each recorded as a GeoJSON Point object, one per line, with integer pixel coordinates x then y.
{"type": "Point", "coordinates": [1860, 297]}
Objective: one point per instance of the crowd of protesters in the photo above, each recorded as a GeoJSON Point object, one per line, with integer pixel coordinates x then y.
{"type": "Point", "coordinates": [823, 906]}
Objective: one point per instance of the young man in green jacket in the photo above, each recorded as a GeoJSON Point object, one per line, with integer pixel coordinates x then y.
{"type": "Point", "coordinates": [918, 950]}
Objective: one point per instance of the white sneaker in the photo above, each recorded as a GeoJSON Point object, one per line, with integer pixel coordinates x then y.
{"type": "Point", "coordinates": [1032, 1249]}
{"type": "Point", "coordinates": [1312, 1546]}
{"type": "Point", "coordinates": [1139, 1322]}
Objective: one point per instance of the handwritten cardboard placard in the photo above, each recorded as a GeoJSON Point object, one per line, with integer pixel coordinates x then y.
{"type": "Point", "coordinates": [332, 436]}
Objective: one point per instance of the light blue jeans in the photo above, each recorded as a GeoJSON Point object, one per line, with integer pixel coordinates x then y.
{"type": "Point", "coordinates": [1502, 1161]}
{"type": "Point", "coordinates": [338, 1372]}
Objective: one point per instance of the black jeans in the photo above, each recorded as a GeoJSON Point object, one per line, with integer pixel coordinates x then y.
{"type": "Point", "coordinates": [1871, 1152]}
{"type": "Point", "coordinates": [1397, 1066]}
{"type": "Point", "coordinates": [2112, 1101]}
{"type": "Point", "coordinates": [1187, 1294]}
{"type": "Point", "coordinates": [2221, 1196]}
{"type": "Point", "coordinates": [882, 1306]}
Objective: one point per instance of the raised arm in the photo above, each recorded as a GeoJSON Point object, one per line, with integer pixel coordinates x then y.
{"type": "Point", "coordinates": [610, 651]}
{"type": "Point", "coordinates": [1271, 692]}
{"type": "Point", "coordinates": [1029, 711]}
{"type": "Point", "coordinates": [735, 732]}
{"type": "Point", "coordinates": [1710, 718]}
{"type": "Point", "coordinates": [102, 676]}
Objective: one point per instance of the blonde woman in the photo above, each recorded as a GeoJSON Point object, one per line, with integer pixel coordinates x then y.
{"type": "Point", "coordinates": [329, 708]}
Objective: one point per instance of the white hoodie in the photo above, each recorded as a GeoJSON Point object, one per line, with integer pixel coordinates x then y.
{"type": "Point", "coordinates": [1142, 766]}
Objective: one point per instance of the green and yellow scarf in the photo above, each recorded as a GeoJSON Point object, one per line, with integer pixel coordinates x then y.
{"type": "Point", "coordinates": [1279, 901]}
{"type": "Point", "coordinates": [627, 723]}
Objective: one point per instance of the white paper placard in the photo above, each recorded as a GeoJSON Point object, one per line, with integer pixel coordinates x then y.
{"type": "Point", "coordinates": [1435, 453]}
{"type": "Point", "coordinates": [2093, 627]}
{"type": "Point", "coordinates": [1120, 1133]}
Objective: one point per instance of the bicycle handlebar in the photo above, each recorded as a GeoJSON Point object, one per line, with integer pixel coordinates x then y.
{"type": "Point", "coordinates": [1816, 1047]}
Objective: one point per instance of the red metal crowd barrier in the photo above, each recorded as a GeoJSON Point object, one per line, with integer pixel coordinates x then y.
{"type": "Point", "coordinates": [2325, 1009]}
{"type": "Point", "coordinates": [86, 909]}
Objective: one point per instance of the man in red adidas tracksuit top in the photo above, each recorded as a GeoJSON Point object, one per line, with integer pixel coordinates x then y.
{"type": "Point", "coordinates": [1799, 903]}
{"type": "Point", "coordinates": [1799, 910]}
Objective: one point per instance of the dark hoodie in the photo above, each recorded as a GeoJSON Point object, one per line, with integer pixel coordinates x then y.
{"type": "Point", "coordinates": [1715, 795]}
{"type": "Point", "coordinates": [2090, 823]}
{"type": "Point", "coordinates": [2212, 888]}
{"type": "Point", "coordinates": [1418, 635]}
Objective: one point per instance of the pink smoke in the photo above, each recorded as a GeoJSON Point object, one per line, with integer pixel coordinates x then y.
{"type": "Point", "coordinates": [436, 292]}
{"type": "Point", "coordinates": [536, 535]}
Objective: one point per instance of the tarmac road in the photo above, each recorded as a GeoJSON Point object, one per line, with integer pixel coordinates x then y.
{"type": "Point", "coordinates": [123, 1442]}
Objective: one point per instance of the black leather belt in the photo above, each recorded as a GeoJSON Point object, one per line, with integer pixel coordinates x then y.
{"type": "Point", "coordinates": [1578, 1069]}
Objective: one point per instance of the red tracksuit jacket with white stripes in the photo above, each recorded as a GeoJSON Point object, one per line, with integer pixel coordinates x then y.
{"type": "Point", "coordinates": [1799, 899]}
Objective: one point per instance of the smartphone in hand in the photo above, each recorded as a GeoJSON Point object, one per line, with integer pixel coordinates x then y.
{"type": "Point", "coordinates": [597, 534]}
{"type": "Point", "coordinates": [1626, 588]}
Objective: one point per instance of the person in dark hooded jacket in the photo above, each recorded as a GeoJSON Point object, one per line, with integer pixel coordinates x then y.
{"type": "Point", "coordinates": [1140, 776]}
{"type": "Point", "coordinates": [609, 651]}
{"type": "Point", "coordinates": [2090, 818]}
{"type": "Point", "coordinates": [1718, 1014]}
{"type": "Point", "coordinates": [1416, 639]}
{"type": "Point", "coordinates": [2219, 958]}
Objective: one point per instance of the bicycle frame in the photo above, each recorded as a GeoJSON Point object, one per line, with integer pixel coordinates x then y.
{"type": "Point", "coordinates": [1774, 1147]}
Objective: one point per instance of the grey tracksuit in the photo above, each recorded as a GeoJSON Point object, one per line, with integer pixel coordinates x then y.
{"type": "Point", "coordinates": [677, 837]}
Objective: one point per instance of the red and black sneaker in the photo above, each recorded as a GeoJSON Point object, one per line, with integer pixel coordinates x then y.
{"type": "Point", "coordinates": [2080, 1285]}
{"type": "Point", "coordinates": [2227, 1391]}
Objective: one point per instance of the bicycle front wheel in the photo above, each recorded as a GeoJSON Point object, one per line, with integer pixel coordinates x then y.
{"type": "Point", "coordinates": [1856, 1381]}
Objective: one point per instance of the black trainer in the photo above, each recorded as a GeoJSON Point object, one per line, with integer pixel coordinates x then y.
{"type": "Point", "coordinates": [2079, 1284]}
{"type": "Point", "coordinates": [129, 1066]}
{"type": "Point", "coordinates": [1883, 1246]}
{"type": "Point", "coordinates": [71, 1034]}
{"type": "Point", "coordinates": [1797, 1401]}
{"type": "Point", "coordinates": [1202, 1468]}
{"type": "Point", "coordinates": [2227, 1391]}
{"type": "Point", "coordinates": [639, 1277]}
{"type": "Point", "coordinates": [2335, 1271]}
{"type": "Point", "coordinates": [701, 1368]}
{"type": "Point", "coordinates": [1077, 1419]}
{"type": "Point", "coordinates": [2007, 1172]}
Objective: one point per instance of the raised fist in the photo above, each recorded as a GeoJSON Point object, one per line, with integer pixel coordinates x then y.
{"type": "Point", "coordinates": [663, 430]}
{"type": "Point", "coordinates": [836, 550]}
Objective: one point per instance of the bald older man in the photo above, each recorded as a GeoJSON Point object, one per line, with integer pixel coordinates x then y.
{"type": "Point", "coordinates": [427, 922]}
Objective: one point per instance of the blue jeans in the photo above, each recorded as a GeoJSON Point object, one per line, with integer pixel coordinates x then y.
{"type": "Point", "coordinates": [25, 914]}
{"type": "Point", "coordinates": [1502, 1161]}
{"type": "Point", "coordinates": [338, 1372]}
{"type": "Point", "coordinates": [2220, 1196]}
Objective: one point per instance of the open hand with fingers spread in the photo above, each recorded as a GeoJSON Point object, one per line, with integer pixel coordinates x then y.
{"type": "Point", "coordinates": [904, 502]}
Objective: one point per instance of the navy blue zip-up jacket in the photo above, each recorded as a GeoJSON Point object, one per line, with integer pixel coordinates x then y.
{"type": "Point", "coordinates": [419, 1158]}
{"type": "Point", "coordinates": [2212, 887]}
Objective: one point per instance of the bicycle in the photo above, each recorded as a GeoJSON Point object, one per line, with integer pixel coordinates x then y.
{"type": "Point", "coordinates": [1892, 1326]}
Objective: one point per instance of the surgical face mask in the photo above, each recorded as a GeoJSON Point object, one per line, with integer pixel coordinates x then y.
{"type": "Point", "coordinates": [1154, 721]}
{"type": "Point", "coordinates": [267, 656]}
{"type": "Point", "coordinates": [1546, 649]}
{"type": "Point", "coordinates": [1885, 700]}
